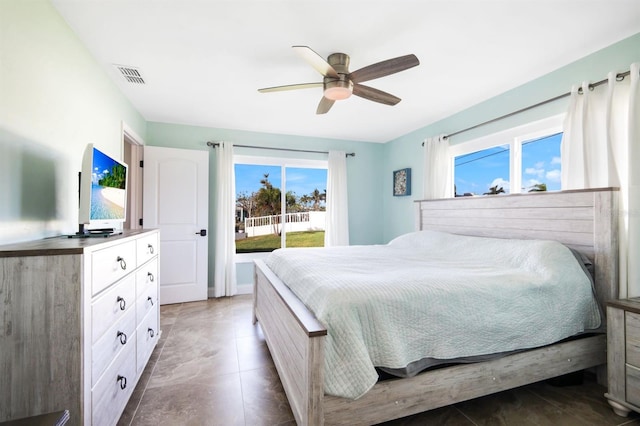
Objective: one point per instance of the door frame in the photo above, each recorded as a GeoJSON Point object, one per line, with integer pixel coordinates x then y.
{"type": "Point", "coordinates": [133, 155]}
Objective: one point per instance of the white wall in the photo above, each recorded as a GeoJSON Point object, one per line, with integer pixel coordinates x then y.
{"type": "Point", "coordinates": [54, 99]}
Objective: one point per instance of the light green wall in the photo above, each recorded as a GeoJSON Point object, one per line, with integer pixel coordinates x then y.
{"type": "Point", "coordinates": [406, 151]}
{"type": "Point", "coordinates": [54, 99]}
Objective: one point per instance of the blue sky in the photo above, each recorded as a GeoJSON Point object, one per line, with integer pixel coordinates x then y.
{"type": "Point", "coordinates": [479, 171]}
{"type": "Point", "coordinates": [300, 181]}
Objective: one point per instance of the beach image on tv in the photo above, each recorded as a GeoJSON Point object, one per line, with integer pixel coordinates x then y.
{"type": "Point", "coordinates": [108, 183]}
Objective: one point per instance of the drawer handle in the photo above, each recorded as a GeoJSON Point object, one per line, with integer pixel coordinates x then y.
{"type": "Point", "coordinates": [150, 299]}
{"type": "Point", "coordinates": [150, 247]}
{"type": "Point", "coordinates": [123, 303]}
{"type": "Point", "coordinates": [122, 337]}
{"type": "Point", "coordinates": [151, 332]}
{"type": "Point", "coordinates": [150, 275]}
{"type": "Point", "coordinates": [123, 263]}
{"type": "Point", "coordinates": [123, 381]}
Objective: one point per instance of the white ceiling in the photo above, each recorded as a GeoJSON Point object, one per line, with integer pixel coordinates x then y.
{"type": "Point", "coordinates": [203, 60]}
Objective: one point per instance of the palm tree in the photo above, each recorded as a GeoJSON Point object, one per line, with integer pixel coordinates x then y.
{"type": "Point", "coordinates": [292, 202]}
{"type": "Point", "coordinates": [317, 197]}
{"type": "Point", "coordinates": [305, 200]}
{"type": "Point", "coordinates": [495, 190]}
{"type": "Point", "coordinates": [116, 178]}
{"type": "Point", "coordinates": [268, 200]}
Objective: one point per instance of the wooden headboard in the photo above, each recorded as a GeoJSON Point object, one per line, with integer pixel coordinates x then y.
{"type": "Point", "coordinates": [586, 220]}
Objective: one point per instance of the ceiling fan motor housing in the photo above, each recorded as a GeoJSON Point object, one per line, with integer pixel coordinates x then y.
{"type": "Point", "coordinates": [343, 87]}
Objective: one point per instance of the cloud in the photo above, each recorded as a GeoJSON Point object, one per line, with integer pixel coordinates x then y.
{"type": "Point", "coordinates": [553, 175]}
{"type": "Point", "coordinates": [500, 183]}
{"type": "Point", "coordinates": [556, 160]}
{"type": "Point", "coordinates": [536, 171]}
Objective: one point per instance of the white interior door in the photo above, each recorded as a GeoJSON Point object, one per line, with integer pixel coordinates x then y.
{"type": "Point", "coordinates": [176, 200]}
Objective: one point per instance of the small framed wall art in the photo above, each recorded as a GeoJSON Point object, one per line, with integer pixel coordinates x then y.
{"type": "Point", "coordinates": [402, 182]}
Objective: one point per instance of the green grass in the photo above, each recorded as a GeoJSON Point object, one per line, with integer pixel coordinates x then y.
{"type": "Point", "coordinates": [271, 242]}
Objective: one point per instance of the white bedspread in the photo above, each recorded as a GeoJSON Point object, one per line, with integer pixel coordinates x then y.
{"type": "Point", "coordinates": [432, 294]}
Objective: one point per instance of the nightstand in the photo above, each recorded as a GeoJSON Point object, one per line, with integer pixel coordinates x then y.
{"type": "Point", "coordinates": [623, 355]}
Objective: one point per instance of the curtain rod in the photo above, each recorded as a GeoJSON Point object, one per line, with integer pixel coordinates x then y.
{"type": "Point", "coordinates": [215, 144]}
{"type": "Point", "coordinates": [619, 77]}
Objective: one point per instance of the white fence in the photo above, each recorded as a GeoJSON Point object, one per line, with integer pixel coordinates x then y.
{"type": "Point", "coordinates": [295, 222]}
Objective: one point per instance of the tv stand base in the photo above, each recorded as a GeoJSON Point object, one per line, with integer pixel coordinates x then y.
{"type": "Point", "coordinates": [94, 233]}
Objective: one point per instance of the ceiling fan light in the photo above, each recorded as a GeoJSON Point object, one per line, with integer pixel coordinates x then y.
{"type": "Point", "coordinates": [337, 93]}
{"type": "Point", "coordinates": [337, 90]}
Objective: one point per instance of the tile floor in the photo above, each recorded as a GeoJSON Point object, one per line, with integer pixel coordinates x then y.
{"type": "Point", "coordinates": [212, 367]}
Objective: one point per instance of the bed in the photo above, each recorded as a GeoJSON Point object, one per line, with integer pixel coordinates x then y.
{"type": "Point", "coordinates": [582, 220]}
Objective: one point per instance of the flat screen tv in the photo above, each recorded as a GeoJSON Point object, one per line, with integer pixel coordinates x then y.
{"type": "Point", "coordinates": [103, 192]}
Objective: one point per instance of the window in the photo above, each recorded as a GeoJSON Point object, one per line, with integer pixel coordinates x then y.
{"type": "Point", "coordinates": [541, 164]}
{"type": "Point", "coordinates": [483, 172]}
{"type": "Point", "coordinates": [265, 220]}
{"type": "Point", "coordinates": [522, 159]}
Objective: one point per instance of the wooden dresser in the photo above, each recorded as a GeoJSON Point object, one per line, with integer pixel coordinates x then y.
{"type": "Point", "coordinates": [79, 319]}
{"type": "Point", "coordinates": [623, 355]}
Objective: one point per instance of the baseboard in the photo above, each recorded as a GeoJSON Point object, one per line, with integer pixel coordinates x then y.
{"type": "Point", "coordinates": [241, 289]}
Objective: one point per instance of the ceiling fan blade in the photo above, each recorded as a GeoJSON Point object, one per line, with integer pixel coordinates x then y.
{"type": "Point", "coordinates": [316, 61]}
{"type": "Point", "coordinates": [375, 95]}
{"type": "Point", "coordinates": [324, 106]}
{"type": "Point", "coordinates": [290, 87]}
{"type": "Point", "coordinates": [381, 69]}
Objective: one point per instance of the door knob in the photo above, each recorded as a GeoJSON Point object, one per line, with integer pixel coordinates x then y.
{"type": "Point", "coordinates": [202, 233]}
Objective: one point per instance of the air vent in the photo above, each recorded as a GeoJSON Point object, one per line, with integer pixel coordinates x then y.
{"type": "Point", "coordinates": [131, 74]}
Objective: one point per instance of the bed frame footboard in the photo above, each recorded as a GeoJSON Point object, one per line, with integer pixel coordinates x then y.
{"type": "Point", "coordinates": [296, 341]}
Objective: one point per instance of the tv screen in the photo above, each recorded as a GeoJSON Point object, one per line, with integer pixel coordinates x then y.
{"type": "Point", "coordinates": [103, 189]}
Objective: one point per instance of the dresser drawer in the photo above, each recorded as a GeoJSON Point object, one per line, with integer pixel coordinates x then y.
{"type": "Point", "coordinates": [108, 308]}
{"type": "Point", "coordinates": [632, 326]}
{"type": "Point", "coordinates": [146, 302]}
{"type": "Point", "coordinates": [109, 396]}
{"type": "Point", "coordinates": [110, 264]}
{"type": "Point", "coordinates": [112, 342]}
{"type": "Point", "coordinates": [147, 276]}
{"type": "Point", "coordinates": [147, 247]}
{"type": "Point", "coordinates": [147, 336]}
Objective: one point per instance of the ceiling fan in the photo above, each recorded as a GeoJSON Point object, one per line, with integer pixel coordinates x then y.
{"type": "Point", "coordinates": [338, 83]}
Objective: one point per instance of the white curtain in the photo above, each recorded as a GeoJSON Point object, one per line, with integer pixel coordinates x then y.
{"type": "Point", "coordinates": [437, 169]}
{"type": "Point", "coordinates": [589, 147]}
{"type": "Point", "coordinates": [337, 217]}
{"type": "Point", "coordinates": [600, 148]}
{"type": "Point", "coordinates": [224, 207]}
{"type": "Point", "coordinates": [633, 160]}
